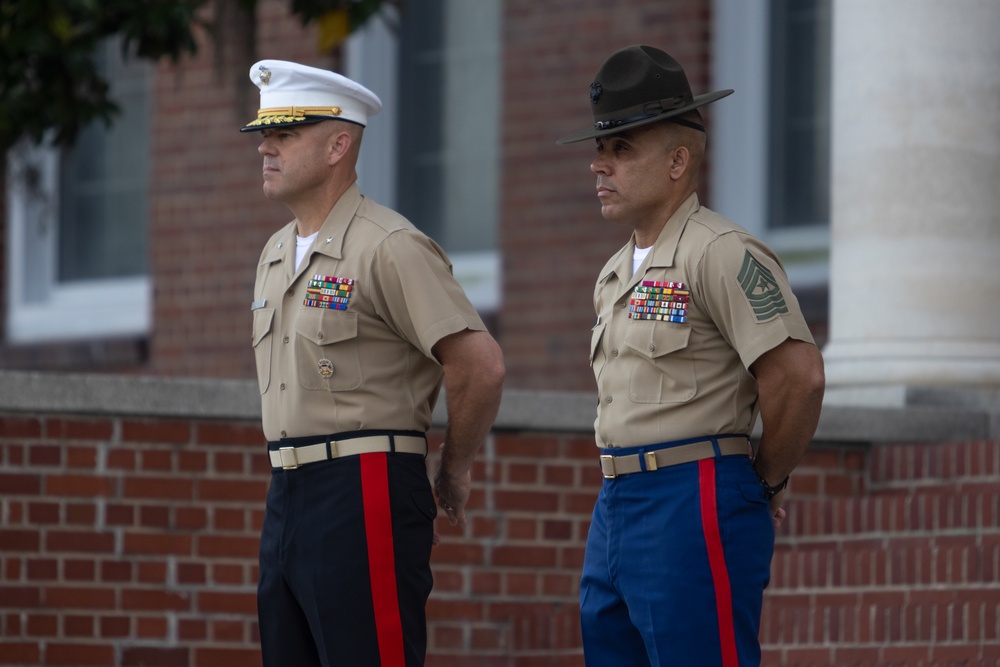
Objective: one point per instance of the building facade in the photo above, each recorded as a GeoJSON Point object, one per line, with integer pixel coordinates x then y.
{"type": "Point", "coordinates": [862, 143]}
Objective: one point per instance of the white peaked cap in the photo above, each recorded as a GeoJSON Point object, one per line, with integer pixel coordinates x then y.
{"type": "Point", "coordinates": [293, 94]}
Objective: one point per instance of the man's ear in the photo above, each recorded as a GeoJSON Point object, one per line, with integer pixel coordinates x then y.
{"type": "Point", "coordinates": [339, 145]}
{"type": "Point", "coordinates": [680, 160]}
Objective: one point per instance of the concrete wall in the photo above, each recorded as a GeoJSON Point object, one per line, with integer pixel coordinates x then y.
{"type": "Point", "coordinates": [130, 510]}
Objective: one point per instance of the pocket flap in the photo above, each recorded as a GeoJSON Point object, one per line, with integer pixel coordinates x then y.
{"type": "Point", "coordinates": [323, 326]}
{"type": "Point", "coordinates": [655, 339]}
{"type": "Point", "coordinates": [595, 339]}
{"type": "Point", "coordinates": [263, 320]}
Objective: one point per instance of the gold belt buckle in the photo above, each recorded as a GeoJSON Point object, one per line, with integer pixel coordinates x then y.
{"type": "Point", "coordinates": [289, 462]}
{"type": "Point", "coordinates": [611, 464]}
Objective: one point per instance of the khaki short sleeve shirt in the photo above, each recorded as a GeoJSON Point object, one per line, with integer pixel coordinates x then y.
{"type": "Point", "coordinates": [673, 343]}
{"type": "Point", "coordinates": [344, 343]}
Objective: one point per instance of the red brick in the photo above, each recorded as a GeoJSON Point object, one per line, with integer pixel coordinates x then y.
{"type": "Point", "coordinates": [190, 518]}
{"type": "Point", "coordinates": [75, 541]}
{"type": "Point", "coordinates": [14, 427]}
{"type": "Point", "coordinates": [154, 572]}
{"type": "Point", "coordinates": [192, 461]}
{"type": "Point", "coordinates": [522, 529]}
{"type": "Point", "coordinates": [41, 569]}
{"type": "Point", "coordinates": [524, 556]}
{"type": "Point", "coordinates": [80, 655]}
{"type": "Point", "coordinates": [119, 515]}
{"type": "Point", "coordinates": [232, 490]}
{"type": "Point", "coordinates": [156, 460]}
{"type": "Point", "coordinates": [81, 457]}
{"type": "Point", "coordinates": [209, 546]}
{"type": "Point", "coordinates": [122, 459]}
{"type": "Point", "coordinates": [227, 603]}
{"type": "Point", "coordinates": [163, 488]}
{"type": "Point", "coordinates": [43, 513]}
{"type": "Point", "coordinates": [42, 625]}
{"type": "Point", "coordinates": [227, 575]}
{"type": "Point", "coordinates": [559, 475]}
{"type": "Point", "coordinates": [81, 514]}
{"type": "Point", "coordinates": [224, 433]}
{"type": "Point", "coordinates": [79, 597]}
{"type": "Point", "coordinates": [14, 652]}
{"type": "Point", "coordinates": [489, 638]}
{"type": "Point", "coordinates": [192, 629]}
{"type": "Point", "coordinates": [114, 627]}
{"type": "Point", "coordinates": [225, 657]}
{"type": "Point", "coordinates": [228, 462]}
{"type": "Point", "coordinates": [158, 544]}
{"type": "Point", "coordinates": [534, 448]}
{"type": "Point", "coordinates": [154, 517]}
{"type": "Point", "coordinates": [73, 429]}
{"type": "Point", "coordinates": [78, 626]}
{"type": "Point", "coordinates": [526, 501]}
{"type": "Point", "coordinates": [45, 455]}
{"type": "Point", "coordinates": [227, 631]}
{"type": "Point", "coordinates": [79, 570]}
{"type": "Point", "coordinates": [151, 627]}
{"type": "Point", "coordinates": [559, 530]}
{"type": "Point", "coordinates": [450, 552]}
{"type": "Point", "coordinates": [485, 582]}
{"type": "Point", "coordinates": [116, 571]}
{"type": "Point", "coordinates": [143, 599]}
{"type": "Point", "coordinates": [141, 656]}
{"type": "Point", "coordinates": [191, 573]}
{"type": "Point", "coordinates": [79, 485]}
{"type": "Point", "coordinates": [20, 484]}
{"type": "Point", "coordinates": [156, 431]}
{"type": "Point", "coordinates": [447, 636]}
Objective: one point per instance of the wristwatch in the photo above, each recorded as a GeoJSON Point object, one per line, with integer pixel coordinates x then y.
{"type": "Point", "coordinates": [771, 491]}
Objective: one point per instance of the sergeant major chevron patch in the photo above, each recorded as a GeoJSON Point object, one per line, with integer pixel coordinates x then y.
{"type": "Point", "coordinates": [761, 289]}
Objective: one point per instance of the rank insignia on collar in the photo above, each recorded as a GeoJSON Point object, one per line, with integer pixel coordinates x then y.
{"type": "Point", "coordinates": [663, 301]}
{"type": "Point", "coordinates": [761, 289]}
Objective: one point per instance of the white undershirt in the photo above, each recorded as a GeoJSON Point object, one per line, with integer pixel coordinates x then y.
{"type": "Point", "coordinates": [638, 255]}
{"type": "Point", "coordinates": [302, 244]}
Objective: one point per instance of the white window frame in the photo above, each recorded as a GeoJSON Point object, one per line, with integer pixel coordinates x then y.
{"type": "Point", "coordinates": [371, 56]}
{"type": "Point", "coordinates": [739, 142]}
{"type": "Point", "coordinates": [40, 308]}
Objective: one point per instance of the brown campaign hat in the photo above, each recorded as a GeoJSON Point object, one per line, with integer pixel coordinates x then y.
{"type": "Point", "coordinates": [638, 85]}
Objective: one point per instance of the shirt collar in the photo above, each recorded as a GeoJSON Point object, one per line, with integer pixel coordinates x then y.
{"type": "Point", "coordinates": [664, 248]}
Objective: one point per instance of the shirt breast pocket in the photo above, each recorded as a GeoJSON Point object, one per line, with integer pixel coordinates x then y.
{"type": "Point", "coordinates": [327, 350]}
{"type": "Point", "coordinates": [663, 366]}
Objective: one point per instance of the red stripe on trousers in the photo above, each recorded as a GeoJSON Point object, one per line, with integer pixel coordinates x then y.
{"type": "Point", "coordinates": [717, 562]}
{"type": "Point", "coordinates": [381, 558]}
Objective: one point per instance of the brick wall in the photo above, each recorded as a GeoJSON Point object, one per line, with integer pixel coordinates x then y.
{"type": "Point", "coordinates": [129, 540]}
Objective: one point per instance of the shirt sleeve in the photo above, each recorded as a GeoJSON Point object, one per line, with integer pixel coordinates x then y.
{"type": "Point", "coordinates": [416, 293]}
{"type": "Point", "coordinates": [748, 296]}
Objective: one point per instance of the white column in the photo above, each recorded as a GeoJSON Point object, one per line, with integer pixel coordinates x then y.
{"type": "Point", "coordinates": [915, 251]}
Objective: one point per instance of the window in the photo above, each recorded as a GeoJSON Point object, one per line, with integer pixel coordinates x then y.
{"type": "Point", "coordinates": [770, 144]}
{"type": "Point", "coordinates": [799, 159]}
{"type": "Point", "coordinates": [436, 67]}
{"type": "Point", "coordinates": [77, 221]}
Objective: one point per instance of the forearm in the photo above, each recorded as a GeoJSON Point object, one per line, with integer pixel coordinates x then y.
{"type": "Point", "coordinates": [790, 385]}
{"type": "Point", "coordinates": [472, 409]}
{"type": "Point", "coordinates": [473, 381]}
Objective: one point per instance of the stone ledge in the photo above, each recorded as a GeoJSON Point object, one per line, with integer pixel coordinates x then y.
{"type": "Point", "coordinates": [521, 410]}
